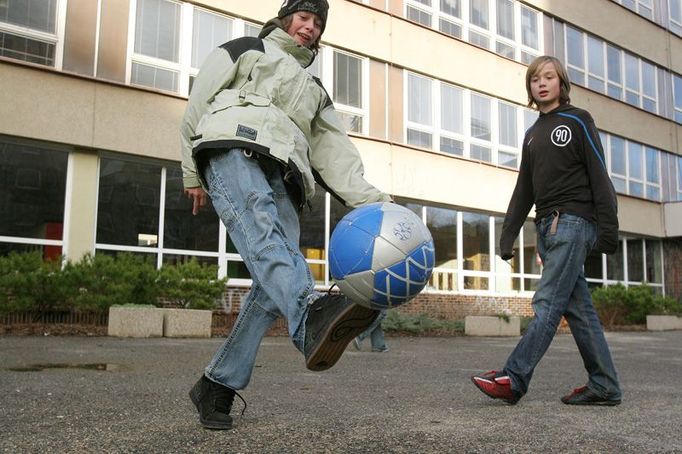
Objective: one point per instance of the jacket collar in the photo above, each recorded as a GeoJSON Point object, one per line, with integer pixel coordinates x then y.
{"type": "Point", "coordinates": [285, 42]}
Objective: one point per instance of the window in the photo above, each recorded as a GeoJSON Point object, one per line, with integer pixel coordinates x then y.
{"type": "Point", "coordinates": [442, 224]}
{"type": "Point", "coordinates": [615, 264]}
{"type": "Point", "coordinates": [635, 169]}
{"type": "Point", "coordinates": [33, 188]}
{"type": "Point", "coordinates": [508, 137]}
{"type": "Point", "coordinates": [506, 27]}
{"type": "Point", "coordinates": [451, 108]}
{"type": "Point", "coordinates": [644, 8]}
{"type": "Point", "coordinates": [28, 31]}
{"type": "Point", "coordinates": [162, 27]}
{"type": "Point", "coordinates": [129, 203]}
{"type": "Point", "coordinates": [618, 164]}
{"type": "Point", "coordinates": [604, 68]}
{"type": "Point", "coordinates": [419, 111]}
{"type": "Point", "coordinates": [456, 121]}
{"type": "Point", "coordinates": [481, 128]}
{"type": "Point", "coordinates": [631, 80]}
{"type": "Point", "coordinates": [418, 15]}
{"type": "Point", "coordinates": [649, 89]}
{"type": "Point", "coordinates": [595, 64]}
{"type": "Point", "coordinates": [679, 178]}
{"type": "Point", "coordinates": [635, 260]}
{"type": "Point", "coordinates": [653, 174]}
{"type": "Point", "coordinates": [157, 44]}
{"type": "Point", "coordinates": [654, 262]}
{"type": "Point", "coordinates": [181, 231]}
{"type": "Point", "coordinates": [476, 250]}
{"type": "Point", "coordinates": [346, 77]}
{"type": "Point", "coordinates": [675, 16]}
{"type": "Point", "coordinates": [677, 90]}
{"type": "Point", "coordinates": [575, 55]}
{"type": "Point", "coordinates": [615, 72]}
{"type": "Point", "coordinates": [348, 90]}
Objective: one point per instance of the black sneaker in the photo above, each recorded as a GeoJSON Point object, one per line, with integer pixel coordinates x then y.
{"type": "Point", "coordinates": [213, 402]}
{"type": "Point", "coordinates": [585, 396]}
{"type": "Point", "coordinates": [333, 322]}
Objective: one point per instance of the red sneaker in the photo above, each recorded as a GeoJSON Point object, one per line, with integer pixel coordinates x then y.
{"type": "Point", "coordinates": [495, 384]}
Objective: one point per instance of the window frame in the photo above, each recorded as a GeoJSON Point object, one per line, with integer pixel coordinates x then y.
{"type": "Point", "coordinates": [56, 38]}
{"type": "Point", "coordinates": [522, 52]}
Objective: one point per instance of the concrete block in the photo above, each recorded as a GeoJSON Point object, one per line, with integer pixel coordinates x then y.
{"type": "Point", "coordinates": [187, 323]}
{"type": "Point", "coordinates": [135, 322]}
{"type": "Point", "coordinates": [487, 325]}
{"type": "Point", "coordinates": [663, 322]}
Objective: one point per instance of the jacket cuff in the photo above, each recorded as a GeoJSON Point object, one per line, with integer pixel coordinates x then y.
{"type": "Point", "coordinates": [190, 182]}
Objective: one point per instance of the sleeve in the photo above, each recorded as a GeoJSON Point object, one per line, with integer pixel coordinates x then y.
{"type": "Point", "coordinates": [519, 206]}
{"type": "Point", "coordinates": [337, 164]}
{"type": "Point", "coordinates": [603, 193]}
{"type": "Point", "coordinates": [217, 72]}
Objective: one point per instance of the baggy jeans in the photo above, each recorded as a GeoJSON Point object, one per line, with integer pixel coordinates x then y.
{"type": "Point", "coordinates": [251, 199]}
{"type": "Point", "coordinates": [563, 291]}
{"type": "Point", "coordinates": [375, 333]}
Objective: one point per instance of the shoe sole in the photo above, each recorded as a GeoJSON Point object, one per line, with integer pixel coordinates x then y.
{"type": "Point", "coordinates": [194, 396]}
{"type": "Point", "coordinates": [341, 331]}
{"type": "Point", "coordinates": [603, 403]}
{"type": "Point", "coordinates": [509, 401]}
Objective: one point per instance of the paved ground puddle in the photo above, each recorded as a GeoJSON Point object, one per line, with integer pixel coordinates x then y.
{"type": "Point", "coordinates": [90, 366]}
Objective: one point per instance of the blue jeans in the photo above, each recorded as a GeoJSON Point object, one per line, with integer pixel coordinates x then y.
{"type": "Point", "coordinates": [375, 333]}
{"type": "Point", "coordinates": [251, 199]}
{"type": "Point", "coordinates": [563, 291]}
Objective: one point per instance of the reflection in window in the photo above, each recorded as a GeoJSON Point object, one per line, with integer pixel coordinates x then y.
{"type": "Point", "coordinates": [311, 242]}
{"type": "Point", "coordinates": [443, 226]}
{"type": "Point", "coordinates": [476, 248]}
{"type": "Point", "coordinates": [614, 264]}
{"type": "Point", "coordinates": [635, 260]}
{"type": "Point", "coordinates": [654, 265]}
{"type": "Point", "coordinates": [593, 266]}
{"type": "Point", "coordinates": [182, 230]}
{"type": "Point", "coordinates": [32, 192]}
{"type": "Point", "coordinates": [128, 205]}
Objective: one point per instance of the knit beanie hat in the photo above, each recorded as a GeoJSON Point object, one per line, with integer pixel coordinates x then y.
{"type": "Point", "coordinates": [319, 7]}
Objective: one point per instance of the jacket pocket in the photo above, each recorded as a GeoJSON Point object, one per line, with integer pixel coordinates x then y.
{"type": "Point", "coordinates": [236, 115]}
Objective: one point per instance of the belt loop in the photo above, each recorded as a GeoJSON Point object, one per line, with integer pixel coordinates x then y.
{"type": "Point", "coordinates": [555, 222]}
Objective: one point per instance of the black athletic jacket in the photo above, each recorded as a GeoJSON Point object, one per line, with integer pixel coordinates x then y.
{"type": "Point", "coordinates": [563, 168]}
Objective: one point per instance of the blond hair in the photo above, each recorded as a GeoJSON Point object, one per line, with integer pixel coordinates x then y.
{"type": "Point", "coordinates": [535, 67]}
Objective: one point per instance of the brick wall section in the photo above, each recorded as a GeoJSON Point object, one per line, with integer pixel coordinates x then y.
{"type": "Point", "coordinates": [436, 305]}
{"type": "Point", "coordinates": [672, 253]}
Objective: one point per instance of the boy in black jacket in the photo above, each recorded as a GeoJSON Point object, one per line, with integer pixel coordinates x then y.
{"type": "Point", "coordinates": [563, 172]}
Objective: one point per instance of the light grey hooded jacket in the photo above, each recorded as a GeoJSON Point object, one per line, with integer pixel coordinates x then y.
{"type": "Point", "coordinates": [255, 94]}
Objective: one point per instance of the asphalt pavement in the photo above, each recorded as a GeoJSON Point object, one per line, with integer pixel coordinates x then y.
{"type": "Point", "coordinates": [101, 394]}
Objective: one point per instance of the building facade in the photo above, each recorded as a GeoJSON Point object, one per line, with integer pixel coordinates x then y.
{"type": "Point", "coordinates": [432, 93]}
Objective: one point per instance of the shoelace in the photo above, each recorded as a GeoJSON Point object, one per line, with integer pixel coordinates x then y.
{"type": "Point", "coordinates": [226, 395]}
{"type": "Point", "coordinates": [243, 401]}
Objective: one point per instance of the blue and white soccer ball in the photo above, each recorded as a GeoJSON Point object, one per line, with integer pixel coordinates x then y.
{"type": "Point", "coordinates": [381, 255]}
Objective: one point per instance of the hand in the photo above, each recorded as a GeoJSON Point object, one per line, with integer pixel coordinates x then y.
{"type": "Point", "coordinates": [507, 255]}
{"type": "Point", "coordinates": [199, 198]}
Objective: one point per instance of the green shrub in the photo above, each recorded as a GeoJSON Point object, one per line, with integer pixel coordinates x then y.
{"type": "Point", "coordinates": [191, 285]}
{"type": "Point", "coordinates": [419, 324]}
{"type": "Point", "coordinates": [618, 305]}
{"type": "Point", "coordinates": [101, 281]}
{"type": "Point", "coordinates": [27, 283]}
